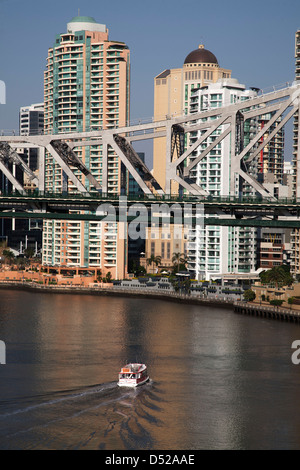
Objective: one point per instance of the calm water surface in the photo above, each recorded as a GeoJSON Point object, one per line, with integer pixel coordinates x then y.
{"type": "Point", "coordinates": [219, 380]}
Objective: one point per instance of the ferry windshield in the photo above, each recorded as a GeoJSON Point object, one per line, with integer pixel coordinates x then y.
{"type": "Point", "coordinates": [127, 376]}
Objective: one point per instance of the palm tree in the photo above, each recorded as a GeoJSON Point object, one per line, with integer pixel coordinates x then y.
{"type": "Point", "coordinates": [179, 259]}
{"type": "Point", "coordinates": [154, 260]}
{"type": "Point", "coordinates": [8, 255]}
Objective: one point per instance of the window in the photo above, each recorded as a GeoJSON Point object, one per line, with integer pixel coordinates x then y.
{"type": "Point", "coordinates": [153, 248]}
{"type": "Point", "coordinates": [168, 250]}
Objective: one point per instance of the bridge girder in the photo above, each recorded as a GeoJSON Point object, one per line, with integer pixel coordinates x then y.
{"type": "Point", "coordinates": [227, 119]}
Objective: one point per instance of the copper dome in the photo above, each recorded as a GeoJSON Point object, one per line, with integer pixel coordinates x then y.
{"type": "Point", "coordinates": [201, 55]}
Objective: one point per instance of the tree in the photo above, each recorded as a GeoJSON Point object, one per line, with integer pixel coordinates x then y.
{"type": "Point", "coordinates": [153, 260]}
{"type": "Point", "coordinates": [140, 270]}
{"type": "Point", "coordinates": [108, 278]}
{"type": "Point", "coordinates": [29, 252]}
{"type": "Point", "coordinates": [249, 295]}
{"type": "Point", "coordinates": [277, 275]}
{"type": "Point", "coordinates": [8, 255]}
{"type": "Point", "coordinates": [179, 260]}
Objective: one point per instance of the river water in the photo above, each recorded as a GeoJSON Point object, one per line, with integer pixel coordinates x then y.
{"type": "Point", "coordinates": [219, 380]}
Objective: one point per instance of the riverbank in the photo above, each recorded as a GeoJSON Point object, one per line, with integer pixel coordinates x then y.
{"type": "Point", "coordinates": [247, 308]}
{"type": "Point", "coordinates": [115, 292]}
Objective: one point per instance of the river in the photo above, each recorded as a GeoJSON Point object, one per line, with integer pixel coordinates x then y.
{"type": "Point", "coordinates": [219, 380]}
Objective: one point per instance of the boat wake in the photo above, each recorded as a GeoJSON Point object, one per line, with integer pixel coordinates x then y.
{"type": "Point", "coordinates": [91, 417]}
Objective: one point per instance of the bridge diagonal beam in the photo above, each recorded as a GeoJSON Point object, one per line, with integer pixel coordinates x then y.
{"type": "Point", "coordinates": [201, 139]}
{"type": "Point", "coordinates": [81, 188]}
{"type": "Point", "coordinates": [11, 178]}
{"type": "Point", "coordinates": [129, 157]}
{"type": "Point", "coordinates": [8, 154]}
{"type": "Point", "coordinates": [70, 158]}
{"type": "Point", "coordinates": [255, 184]}
{"type": "Point", "coordinates": [267, 109]}
{"type": "Point", "coordinates": [207, 150]}
{"type": "Point", "coordinates": [260, 134]}
{"type": "Point", "coordinates": [190, 185]}
{"type": "Point", "coordinates": [177, 141]}
{"type": "Point", "coordinates": [272, 134]}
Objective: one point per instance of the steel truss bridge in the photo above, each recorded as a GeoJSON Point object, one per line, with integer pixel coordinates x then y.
{"type": "Point", "coordinates": [229, 211]}
{"type": "Point", "coordinates": [281, 105]}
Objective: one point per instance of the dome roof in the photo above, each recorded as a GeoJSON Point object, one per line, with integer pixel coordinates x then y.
{"type": "Point", "coordinates": [201, 55]}
{"type": "Point", "coordinates": [83, 19]}
{"type": "Point", "coordinates": [85, 23]}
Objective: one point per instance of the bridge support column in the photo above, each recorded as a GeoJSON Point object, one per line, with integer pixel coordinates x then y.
{"type": "Point", "coordinates": [168, 158]}
{"type": "Point", "coordinates": [41, 156]}
{"type": "Point", "coordinates": [298, 157]}
{"type": "Point", "coordinates": [104, 182]}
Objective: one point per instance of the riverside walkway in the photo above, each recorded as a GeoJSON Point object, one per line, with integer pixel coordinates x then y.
{"type": "Point", "coordinates": [267, 311]}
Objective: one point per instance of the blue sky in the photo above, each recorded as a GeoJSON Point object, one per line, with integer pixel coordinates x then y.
{"type": "Point", "coordinates": [254, 39]}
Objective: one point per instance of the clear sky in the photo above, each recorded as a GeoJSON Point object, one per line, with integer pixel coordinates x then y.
{"type": "Point", "coordinates": [255, 39]}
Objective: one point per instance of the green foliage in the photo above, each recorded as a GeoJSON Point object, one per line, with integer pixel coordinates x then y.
{"type": "Point", "coordinates": [154, 260]}
{"type": "Point", "coordinates": [249, 295]}
{"type": "Point", "coordinates": [8, 255]}
{"type": "Point", "coordinates": [179, 261]}
{"type": "Point", "coordinates": [107, 278]}
{"type": "Point", "coordinates": [276, 302]}
{"type": "Point", "coordinates": [279, 275]}
{"type": "Point", "coordinates": [29, 252]}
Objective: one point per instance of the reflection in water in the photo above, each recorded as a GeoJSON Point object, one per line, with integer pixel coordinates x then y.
{"type": "Point", "coordinates": [218, 380]}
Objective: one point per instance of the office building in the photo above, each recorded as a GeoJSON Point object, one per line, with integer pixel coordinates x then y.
{"type": "Point", "coordinates": [31, 119]}
{"type": "Point", "coordinates": [86, 87]}
{"type": "Point", "coordinates": [31, 122]}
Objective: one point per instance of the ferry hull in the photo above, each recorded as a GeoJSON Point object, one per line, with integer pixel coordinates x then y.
{"type": "Point", "coordinates": [131, 384]}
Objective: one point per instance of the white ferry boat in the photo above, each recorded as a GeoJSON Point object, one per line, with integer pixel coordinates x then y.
{"type": "Point", "coordinates": [133, 375]}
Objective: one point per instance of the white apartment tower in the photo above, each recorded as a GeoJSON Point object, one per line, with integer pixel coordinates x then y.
{"type": "Point", "coordinates": [295, 237]}
{"type": "Point", "coordinates": [217, 250]}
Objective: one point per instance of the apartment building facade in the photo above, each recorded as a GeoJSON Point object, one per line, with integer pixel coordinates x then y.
{"type": "Point", "coordinates": [295, 237]}
{"type": "Point", "coordinates": [217, 250]}
{"type": "Point", "coordinates": [86, 87]}
{"type": "Point", "coordinates": [172, 93]}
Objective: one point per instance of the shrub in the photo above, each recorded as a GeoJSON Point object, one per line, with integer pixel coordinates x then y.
{"type": "Point", "coordinates": [276, 302]}
{"type": "Point", "coordinates": [249, 295]}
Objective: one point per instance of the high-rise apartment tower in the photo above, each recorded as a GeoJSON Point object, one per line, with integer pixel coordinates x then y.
{"type": "Point", "coordinates": [172, 92]}
{"type": "Point", "coordinates": [86, 87]}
